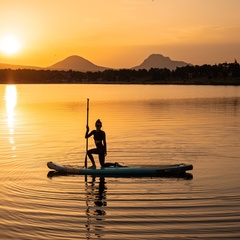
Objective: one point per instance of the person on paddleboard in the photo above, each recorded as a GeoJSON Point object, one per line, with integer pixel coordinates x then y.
{"type": "Point", "coordinates": [99, 137]}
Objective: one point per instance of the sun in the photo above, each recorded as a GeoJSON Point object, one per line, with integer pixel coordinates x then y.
{"type": "Point", "coordinates": [9, 45]}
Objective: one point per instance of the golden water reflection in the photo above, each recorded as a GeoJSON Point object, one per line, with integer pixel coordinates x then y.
{"type": "Point", "coordinates": [11, 102]}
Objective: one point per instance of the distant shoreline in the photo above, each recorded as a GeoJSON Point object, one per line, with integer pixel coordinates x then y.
{"type": "Point", "coordinates": [221, 74]}
{"type": "Point", "coordinates": [196, 83]}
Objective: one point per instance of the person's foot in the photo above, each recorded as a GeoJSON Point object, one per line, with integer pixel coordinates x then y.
{"type": "Point", "coordinates": [92, 167]}
{"type": "Point", "coordinates": [117, 164]}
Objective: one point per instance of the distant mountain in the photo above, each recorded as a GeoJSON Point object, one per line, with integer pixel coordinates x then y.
{"type": "Point", "coordinates": [76, 63]}
{"type": "Point", "coordinates": [159, 61]}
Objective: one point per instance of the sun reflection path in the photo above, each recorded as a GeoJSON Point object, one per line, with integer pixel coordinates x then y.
{"type": "Point", "coordinates": [11, 102]}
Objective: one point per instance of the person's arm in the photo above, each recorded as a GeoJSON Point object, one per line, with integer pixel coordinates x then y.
{"type": "Point", "coordinates": [87, 135]}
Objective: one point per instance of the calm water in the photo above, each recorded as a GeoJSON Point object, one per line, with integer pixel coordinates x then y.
{"type": "Point", "coordinates": [144, 125]}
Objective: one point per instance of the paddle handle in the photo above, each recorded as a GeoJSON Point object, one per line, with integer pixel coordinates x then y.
{"type": "Point", "coordinates": [85, 163]}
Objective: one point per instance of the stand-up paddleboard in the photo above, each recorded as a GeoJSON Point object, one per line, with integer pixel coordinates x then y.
{"type": "Point", "coordinates": [124, 171]}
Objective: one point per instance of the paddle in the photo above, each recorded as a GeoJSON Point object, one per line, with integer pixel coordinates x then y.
{"type": "Point", "coordinates": [85, 164]}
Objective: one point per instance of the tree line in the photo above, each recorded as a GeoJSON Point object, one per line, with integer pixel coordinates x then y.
{"type": "Point", "coordinates": [218, 74]}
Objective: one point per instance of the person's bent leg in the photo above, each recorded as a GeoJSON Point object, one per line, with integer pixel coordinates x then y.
{"type": "Point", "coordinates": [89, 153]}
{"type": "Point", "coordinates": [102, 159]}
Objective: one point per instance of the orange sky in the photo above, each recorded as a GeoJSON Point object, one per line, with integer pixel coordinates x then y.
{"type": "Point", "coordinates": [121, 33]}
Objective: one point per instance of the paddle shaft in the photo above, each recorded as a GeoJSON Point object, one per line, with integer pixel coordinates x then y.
{"type": "Point", "coordinates": [85, 164]}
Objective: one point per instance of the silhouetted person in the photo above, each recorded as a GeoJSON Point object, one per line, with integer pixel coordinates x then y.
{"type": "Point", "coordinates": [101, 146]}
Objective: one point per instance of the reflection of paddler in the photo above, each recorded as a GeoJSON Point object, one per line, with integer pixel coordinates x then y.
{"type": "Point", "coordinates": [96, 203]}
{"type": "Point", "coordinates": [101, 146]}
{"type": "Point", "coordinates": [101, 197]}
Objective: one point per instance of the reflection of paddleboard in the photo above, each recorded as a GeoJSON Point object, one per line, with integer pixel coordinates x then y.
{"type": "Point", "coordinates": [162, 170]}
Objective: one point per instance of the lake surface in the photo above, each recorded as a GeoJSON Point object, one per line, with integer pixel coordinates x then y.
{"type": "Point", "coordinates": [145, 125]}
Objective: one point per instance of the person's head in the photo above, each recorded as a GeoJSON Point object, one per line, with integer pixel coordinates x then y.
{"type": "Point", "coordinates": [98, 124]}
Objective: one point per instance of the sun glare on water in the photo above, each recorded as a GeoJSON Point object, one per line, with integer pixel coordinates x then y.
{"type": "Point", "coordinates": [9, 45]}
{"type": "Point", "coordinates": [11, 101]}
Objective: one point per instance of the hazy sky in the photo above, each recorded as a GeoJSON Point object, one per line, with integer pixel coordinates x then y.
{"type": "Point", "coordinates": [121, 33]}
